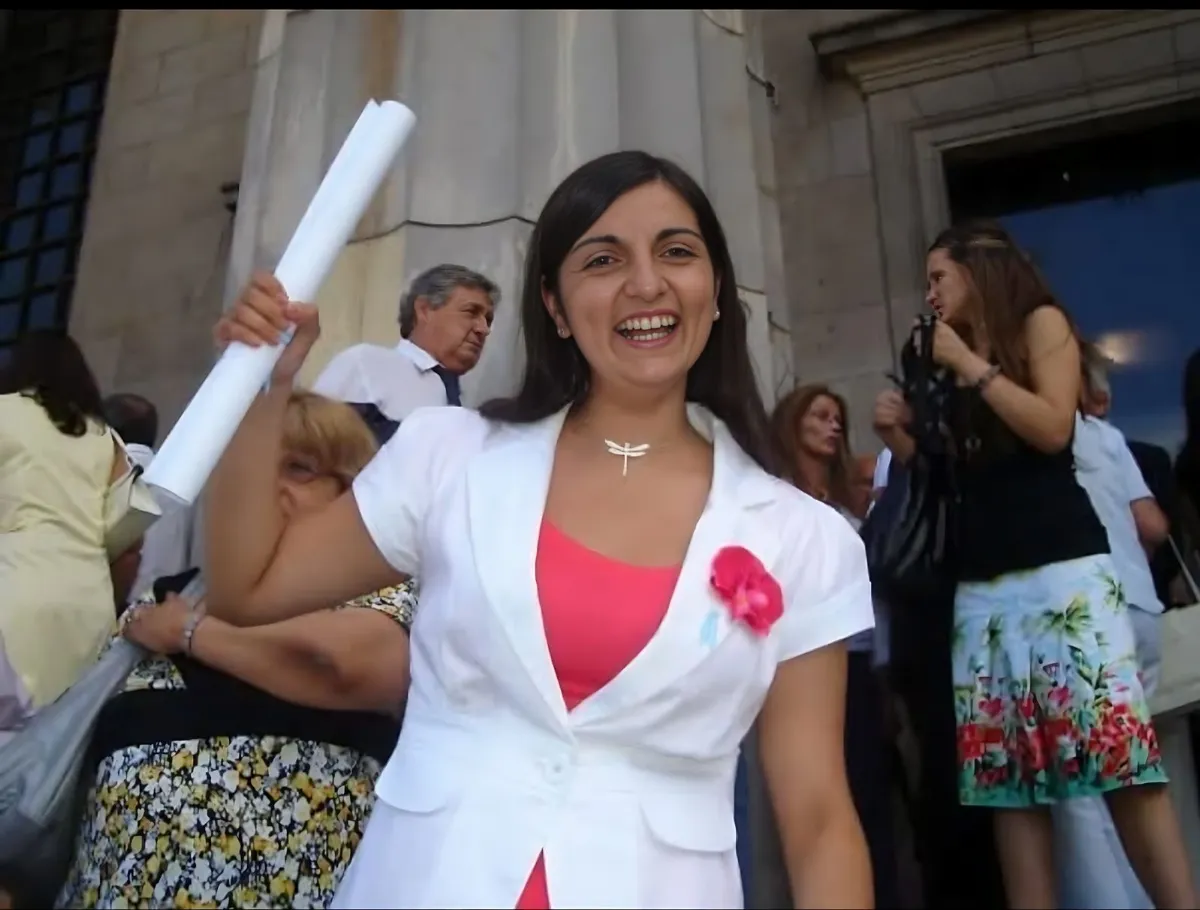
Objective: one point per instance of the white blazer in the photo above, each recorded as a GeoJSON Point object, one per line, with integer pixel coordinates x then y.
{"type": "Point", "coordinates": [629, 796]}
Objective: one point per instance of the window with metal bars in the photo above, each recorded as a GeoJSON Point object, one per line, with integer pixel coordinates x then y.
{"type": "Point", "coordinates": [54, 67]}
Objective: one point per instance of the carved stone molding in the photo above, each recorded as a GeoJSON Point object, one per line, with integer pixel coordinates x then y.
{"type": "Point", "coordinates": [926, 45]}
{"type": "Point", "coordinates": [1006, 80]}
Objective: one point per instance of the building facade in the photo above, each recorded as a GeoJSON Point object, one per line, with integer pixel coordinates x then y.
{"type": "Point", "coordinates": [821, 135]}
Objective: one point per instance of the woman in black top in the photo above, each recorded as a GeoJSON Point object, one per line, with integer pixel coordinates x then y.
{"type": "Point", "coordinates": [1047, 698]}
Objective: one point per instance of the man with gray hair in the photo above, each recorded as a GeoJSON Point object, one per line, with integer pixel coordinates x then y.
{"type": "Point", "coordinates": [445, 318]}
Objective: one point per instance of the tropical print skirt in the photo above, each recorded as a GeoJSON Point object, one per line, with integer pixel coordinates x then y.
{"type": "Point", "coordinates": [1047, 698]}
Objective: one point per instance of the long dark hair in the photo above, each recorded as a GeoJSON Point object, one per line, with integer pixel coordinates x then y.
{"type": "Point", "coordinates": [556, 373]}
{"type": "Point", "coordinates": [48, 367]}
{"type": "Point", "coordinates": [1008, 285]}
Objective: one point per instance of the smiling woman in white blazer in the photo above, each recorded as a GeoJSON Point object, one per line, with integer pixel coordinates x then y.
{"type": "Point", "coordinates": [638, 441]}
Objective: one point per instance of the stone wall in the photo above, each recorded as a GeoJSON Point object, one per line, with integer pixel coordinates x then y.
{"type": "Point", "coordinates": [836, 314]}
{"type": "Point", "coordinates": [156, 241]}
{"type": "Point", "coordinates": [860, 128]}
{"type": "Point", "coordinates": [507, 103]}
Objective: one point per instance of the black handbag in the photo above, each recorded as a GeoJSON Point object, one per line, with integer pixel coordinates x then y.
{"type": "Point", "coordinates": [909, 534]}
{"type": "Point", "coordinates": [909, 556]}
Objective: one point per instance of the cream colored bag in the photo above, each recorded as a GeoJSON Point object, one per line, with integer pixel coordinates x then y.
{"type": "Point", "coordinates": [1179, 684]}
{"type": "Point", "coordinates": [129, 507]}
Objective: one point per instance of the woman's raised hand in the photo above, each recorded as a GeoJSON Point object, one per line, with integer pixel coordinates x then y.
{"type": "Point", "coordinates": [891, 412]}
{"type": "Point", "coordinates": [261, 315]}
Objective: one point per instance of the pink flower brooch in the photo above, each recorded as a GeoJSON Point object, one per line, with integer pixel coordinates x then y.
{"type": "Point", "coordinates": [750, 593]}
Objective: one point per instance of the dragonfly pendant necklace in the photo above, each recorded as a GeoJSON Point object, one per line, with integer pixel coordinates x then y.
{"type": "Point", "coordinates": [626, 452]}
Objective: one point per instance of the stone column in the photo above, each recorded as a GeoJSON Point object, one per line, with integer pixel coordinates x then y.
{"type": "Point", "coordinates": [507, 102]}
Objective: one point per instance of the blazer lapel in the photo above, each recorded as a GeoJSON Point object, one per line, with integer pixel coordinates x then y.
{"type": "Point", "coordinates": [697, 621]}
{"type": "Point", "coordinates": [507, 483]}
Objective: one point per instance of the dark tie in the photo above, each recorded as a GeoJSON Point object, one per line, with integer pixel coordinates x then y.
{"type": "Point", "coordinates": [450, 381]}
{"type": "Point", "coordinates": [380, 424]}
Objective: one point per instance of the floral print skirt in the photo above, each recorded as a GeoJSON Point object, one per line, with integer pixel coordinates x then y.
{"type": "Point", "coordinates": [1047, 698]}
{"type": "Point", "coordinates": [228, 822]}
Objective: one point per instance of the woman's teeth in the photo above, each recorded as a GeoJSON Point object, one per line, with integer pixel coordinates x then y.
{"type": "Point", "coordinates": [647, 328]}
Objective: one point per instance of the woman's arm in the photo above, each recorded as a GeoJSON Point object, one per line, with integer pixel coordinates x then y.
{"type": "Point", "coordinates": [124, 571]}
{"type": "Point", "coordinates": [1151, 522]}
{"type": "Point", "coordinates": [1044, 417]}
{"type": "Point", "coordinates": [343, 660]}
{"type": "Point", "coordinates": [244, 519]}
{"type": "Point", "coordinates": [261, 571]}
{"type": "Point", "coordinates": [900, 443]}
{"type": "Point", "coordinates": [800, 743]}
{"type": "Point", "coordinates": [352, 659]}
{"type": "Point", "coordinates": [892, 415]}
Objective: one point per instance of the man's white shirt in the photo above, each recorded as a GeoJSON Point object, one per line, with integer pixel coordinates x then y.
{"type": "Point", "coordinates": [396, 380]}
{"type": "Point", "coordinates": [1108, 472]}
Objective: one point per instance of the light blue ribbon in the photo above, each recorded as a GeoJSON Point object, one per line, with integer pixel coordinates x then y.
{"type": "Point", "coordinates": [708, 630]}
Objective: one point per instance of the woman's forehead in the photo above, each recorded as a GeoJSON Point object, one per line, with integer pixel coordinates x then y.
{"type": "Point", "coordinates": [646, 209]}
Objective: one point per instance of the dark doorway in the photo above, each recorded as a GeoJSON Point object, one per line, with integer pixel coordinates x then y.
{"type": "Point", "coordinates": [1110, 211]}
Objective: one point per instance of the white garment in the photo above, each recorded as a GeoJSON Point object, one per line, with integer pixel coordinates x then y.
{"type": "Point", "coordinates": [16, 707]}
{"type": "Point", "coordinates": [864, 642]}
{"type": "Point", "coordinates": [167, 546]}
{"type": "Point", "coordinates": [1108, 472]}
{"type": "Point", "coordinates": [1093, 870]}
{"type": "Point", "coordinates": [141, 455]}
{"type": "Point", "coordinates": [396, 380]}
{"type": "Point", "coordinates": [883, 464]}
{"type": "Point", "coordinates": [882, 645]}
{"type": "Point", "coordinates": [630, 795]}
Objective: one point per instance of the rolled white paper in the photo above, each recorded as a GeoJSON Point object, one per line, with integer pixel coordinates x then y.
{"type": "Point", "coordinates": [203, 432]}
{"type": "Point", "coordinates": [342, 164]}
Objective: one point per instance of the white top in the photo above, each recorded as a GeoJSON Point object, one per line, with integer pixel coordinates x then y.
{"type": "Point", "coordinates": [167, 545]}
{"type": "Point", "coordinates": [396, 380]}
{"type": "Point", "coordinates": [864, 641]}
{"type": "Point", "coordinates": [630, 795]}
{"type": "Point", "coordinates": [1107, 471]}
{"type": "Point", "coordinates": [881, 643]}
{"type": "Point", "coordinates": [883, 464]}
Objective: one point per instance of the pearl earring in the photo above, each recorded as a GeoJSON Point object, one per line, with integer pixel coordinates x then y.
{"type": "Point", "coordinates": [717, 314]}
{"type": "Point", "coordinates": [562, 333]}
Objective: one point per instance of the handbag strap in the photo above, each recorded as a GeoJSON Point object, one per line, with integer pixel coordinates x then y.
{"type": "Point", "coordinates": [134, 469]}
{"type": "Point", "coordinates": [1188, 578]}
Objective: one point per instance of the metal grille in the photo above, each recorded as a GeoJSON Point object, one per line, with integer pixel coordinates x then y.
{"type": "Point", "coordinates": [53, 74]}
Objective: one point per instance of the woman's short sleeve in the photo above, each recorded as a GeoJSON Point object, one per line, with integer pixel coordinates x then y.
{"type": "Point", "coordinates": [395, 492]}
{"type": "Point", "coordinates": [826, 588]}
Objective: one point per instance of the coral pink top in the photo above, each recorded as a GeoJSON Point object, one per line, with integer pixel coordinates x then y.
{"type": "Point", "coordinates": [598, 615]}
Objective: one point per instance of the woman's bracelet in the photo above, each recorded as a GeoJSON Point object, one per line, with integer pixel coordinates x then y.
{"type": "Point", "coordinates": [983, 381]}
